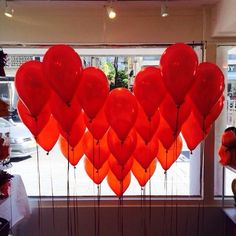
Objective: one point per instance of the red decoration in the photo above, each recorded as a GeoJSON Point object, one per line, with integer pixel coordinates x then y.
{"type": "Point", "coordinates": [141, 174]}
{"type": "Point", "coordinates": [32, 87]}
{"type": "Point", "coordinates": [146, 128]}
{"type": "Point", "coordinates": [168, 157]}
{"type": "Point", "coordinates": [120, 171]}
{"type": "Point", "coordinates": [122, 150]}
{"type": "Point", "coordinates": [178, 65]}
{"type": "Point", "coordinates": [49, 135]}
{"type": "Point", "coordinates": [72, 154]}
{"type": "Point", "coordinates": [97, 176]}
{"type": "Point", "coordinates": [149, 89]}
{"type": "Point", "coordinates": [93, 91]}
{"type": "Point", "coordinates": [97, 126]}
{"type": "Point", "coordinates": [63, 69]}
{"type": "Point", "coordinates": [121, 111]}
{"type": "Point", "coordinates": [97, 151]}
{"type": "Point", "coordinates": [146, 153]}
{"type": "Point", "coordinates": [35, 125]}
{"type": "Point", "coordinates": [208, 87]}
{"type": "Point", "coordinates": [65, 115]}
{"type": "Point", "coordinates": [118, 187]}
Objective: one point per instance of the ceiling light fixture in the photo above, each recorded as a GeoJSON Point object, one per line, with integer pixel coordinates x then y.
{"type": "Point", "coordinates": [110, 12]}
{"type": "Point", "coordinates": [164, 9]}
{"type": "Point", "coordinates": [8, 11]}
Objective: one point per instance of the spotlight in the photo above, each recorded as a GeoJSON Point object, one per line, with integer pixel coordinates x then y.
{"type": "Point", "coordinates": [8, 11]}
{"type": "Point", "coordinates": [164, 10]}
{"type": "Point", "coordinates": [110, 12]}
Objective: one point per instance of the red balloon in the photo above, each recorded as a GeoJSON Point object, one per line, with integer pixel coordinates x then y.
{"type": "Point", "coordinates": [175, 116]}
{"type": "Point", "coordinates": [208, 87]}
{"type": "Point", "coordinates": [149, 89]}
{"type": "Point", "coordinates": [97, 176]}
{"type": "Point", "coordinates": [77, 131]}
{"type": "Point", "coordinates": [141, 174]}
{"type": "Point", "coordinates": [49, 135]}
{"type": "Point", "coordinates": [120, 171]}
{"type": "Point", "coordinates": [146, 153]}
{"type": "Point", "coordinates": [97, 151]}
{"type": "Point", "coordinates": [65, 115]}
{"type": "Point", "coordinates": [97, 126]}
{"type": "Point", "coordinates": [168, 157]}
{"type": "Point", "coordinates": [32, 87]}
{"type": "Point", "coordinates": [146, 128]}
{"type": "Point", "coordinates": [192, 132]}
{"type": "Point", "coordinates": [34, 124]}
{"type": "Point", "coordinates": [215, 112]}
{"type": "Point", "coordinates": [93, 91]}
{"type": "Point", "coordinates": [118, 187]}
{"type": "Point", "coordinates": [63, 69]}
{"type": "Point", "coordinates": [121, 150]}
{"type": "Point", "coordinates": [165, 134]}
{"type": "Point", "coordinates": [178, 65]}
{"type": "Point", "coordinates": [73, 155]}
{"type": "Point", "coordinates": [121, 111]}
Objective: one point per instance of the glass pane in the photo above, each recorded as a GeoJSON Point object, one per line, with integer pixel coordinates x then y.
{"type": "Point", "coordinates": [181, 179]}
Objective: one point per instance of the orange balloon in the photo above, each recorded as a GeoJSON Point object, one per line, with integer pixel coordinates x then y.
{"type": "Point", "coordinates": [146, 153]}
{"type": "Point", "coordinates": [141, 174]}
{"type": "Point", "coordinates": [147, 128]}
{"type": "Point", "coordinates": [97, 176]}
{"type": "Point", "coordinates": [97, 151]}
{"type": "Point", "coordinates": [119, 171]}
{"type": "Point", "coordinates": [118, 187]}
{"type": "Point", "coordinates": [49, 135]}
{"type": "Point", "coordinates": [73, 155]}
{"type": "Point", "coordinates": [122, 151]}
{"type": "Point", "coordinates": [168, 157]}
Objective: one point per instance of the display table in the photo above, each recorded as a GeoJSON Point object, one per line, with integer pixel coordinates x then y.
{"type": "Point", "coordinates": [16, 206]}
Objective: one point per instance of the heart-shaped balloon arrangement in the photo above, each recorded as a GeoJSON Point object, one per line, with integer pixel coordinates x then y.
{"type": "Point", "coordinates": [126, 131]}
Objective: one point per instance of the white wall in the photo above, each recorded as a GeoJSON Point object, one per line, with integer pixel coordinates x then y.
{"type": "Point", "coordinates": [50, 22]}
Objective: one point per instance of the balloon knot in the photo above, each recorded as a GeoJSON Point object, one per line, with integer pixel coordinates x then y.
{"type": "Point", "coordinates": [68, 104]}
{"type": "Point", "coordinates": [90, 121]}
{"type": "Point", "coordinates": [97, 142]}
{"type": "Point", "coordinates": [74, 167]}
{"type": "Point", "coordinates": [145, 170]}
{"type": "Point", "coordinates": [122, 141]}
{"type": "Point", "coordinates": [96, 170]}
{"type": "Point", "coordinates": [47, 153]}
{"type": "Point", "coordinates": [165, 172]}
{"type": "Point", "coordinates": [149, 118]}
{"type": "Point", "coordinates": [191, 152]}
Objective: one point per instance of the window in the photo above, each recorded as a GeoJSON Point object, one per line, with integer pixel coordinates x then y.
{"type": "Point", "coordinates": [182, 178]}
{"type": "Point", "coordinates": [226, 60]}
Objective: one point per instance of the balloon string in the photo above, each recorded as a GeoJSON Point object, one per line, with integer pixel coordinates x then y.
{"type": "Point", "coordinates": [68, 188]}
{"type": "Point", "coordinates": [150, 203]}
{"type": "Point", "coordinates": [75, 201]}
{"type": "Point", "coordinates": [53, 203]}
{"type": "Point", "coordinates": [177, 121]}
{"type": "Point", "coordinates": [176, 203]}
{"type": "Point", "coordinates": [94, 203]}
{"type": "Point", "coordinates": [98, 219]}
{"type": "Point", "coordinates": [39, 183]}
{"type": "Point", "coordinates": [144, 218]}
